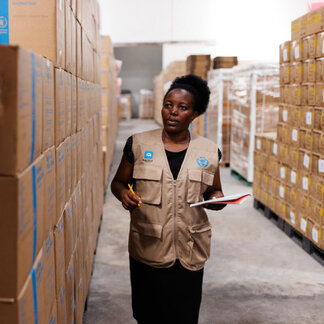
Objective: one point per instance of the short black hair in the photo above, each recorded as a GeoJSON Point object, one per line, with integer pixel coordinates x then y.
{"type": "Point", "coordinates": [197, 87]}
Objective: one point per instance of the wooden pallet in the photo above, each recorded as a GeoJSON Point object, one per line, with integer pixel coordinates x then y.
{"type": "Point", "coordinates": [306, 244]}
{"type": "Point", "coordinates": [240, 178]}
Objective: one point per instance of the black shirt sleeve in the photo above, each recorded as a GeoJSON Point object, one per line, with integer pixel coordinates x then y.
{"type": "Point", "coordinates": [128, 150]}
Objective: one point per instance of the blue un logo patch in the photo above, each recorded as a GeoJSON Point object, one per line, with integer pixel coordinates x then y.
{"type": "Point", "coordinates": [202, 162]}
{"type": "Point", "coordinates": [148, 155]}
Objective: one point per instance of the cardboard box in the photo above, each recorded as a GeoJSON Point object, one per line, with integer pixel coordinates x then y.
{"type": "Point", "coordinates": [68, 233]}
{"type": "Point", "coordinates": [48, 104]}
{"type": "Point", "coordinates": [297, 72]}
{"type": "Point", "coordinates": [50, 190]}
{"type": "Point", "coordinates": [305, 160]}
{"type": "Point", "coordinates": [49, 271]}
{"type": "Point", "coordinates": [293, 157]}
{"type": "Point", "coordinates": [68, 103]}
{"type": "Point", "coordinates": [285, 73]}
{"type": "Point", "coordinates": [309, 47]}
{"type": "Point", "coordinates": [296, 51]}
{"type": "Point", "coordinates": [59, 106]}
{"type": "Point", "coordinates": [59, 256]}
{"type": "Point", "coordinates": [319, 47]}
{"type": "Point", "coordinates": [284, 50]}
{"type": "Point", "coordinates": [21, 109]}
{"type": "Point", "coordinates": [316, 210]}
{"type": "Point", "coordinates": [22, 228]}
{"type": "Point", "coordinates": [79, 155]}
{"type": "Point", "coordinates": [23, 309]}
{"type": "Point", "coordinates": [60, 180]}
{"type": "Point", "coordinates": [315, 21]}
{"type": "Point", "coordinates": [298, 28]}
{"type": "Point", "coordinates": [74, 105]}
{"type": "Point", "coordinates": [318, 142]}
{"type": "Point", "coordinates": [318, 118]}
{"type": "Point", "coordinates": [38, 26]}
{"type": "Point", "coordinates": [319, 90]}
{"type": "Point", "coordinates": [69, 286]}
{"type": "Point", "coordinates": [68, 168]}
{"type": "Point", "coordinates": [317, 187]}
{"type": "Point", "coordinates": [317, 164]}
{"type": "Point", "coordinates": [68, 36]}
{"type": "Point", "coordinates": [307, 117]}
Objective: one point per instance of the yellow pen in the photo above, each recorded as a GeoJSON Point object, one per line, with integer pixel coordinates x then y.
{"type": "Point", "coordinates": [132, 191]}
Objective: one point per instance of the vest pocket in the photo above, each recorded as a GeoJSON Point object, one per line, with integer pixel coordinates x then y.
{"type": "Point", "coordinates": [198, 183]}
{"type": "Point", "coordinates": [199, 242]}
{"type": "Point", "coordinates": [148, 183]}
{"type": "Point", "coordinates": [194, 184]}
{"type": "Point", "coordinates": [147, 229]}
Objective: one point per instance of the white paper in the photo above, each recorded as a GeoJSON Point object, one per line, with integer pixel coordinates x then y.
{"type": "Point", "coordinates": [305, 183]}
{"type": "Point", "coordinates": [293, 177]}
{"type": "Point", "coordinates": [258, 144]}
{"type": "Point", "coordinates": [308, 118]}
{"type": "Point", "coordinates": [295, 135]}
{"type": "Point", "coordinates": [282, 192]}
{"type": "Point", "coordinates": [283, 172]}
{"type": "Point", "coordinates": [292, 217]}
{"type": "Point", "coordinates": [321, 163]}
{"type": "Point", "coordinates": [303, 224]}
{"type": "Point", "coordinates": [284, 115]}
{"type": "Point", "coordinates": [297, 52]}
{"type": "Point", "coordinates": [306, 161]}
{"type": "Point", "coordinates": [219, 200]}
{"type": "Point", "coordinates": [275, 148]}
{"type": "Point", "coordinates": [315, 235]}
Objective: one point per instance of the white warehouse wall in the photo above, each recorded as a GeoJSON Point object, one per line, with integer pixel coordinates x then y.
{"type": "Point", "coordinates": [250, 29]}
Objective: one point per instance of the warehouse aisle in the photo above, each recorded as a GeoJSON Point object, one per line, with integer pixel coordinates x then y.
{"type": "Point", "coordinates": [256, 274]}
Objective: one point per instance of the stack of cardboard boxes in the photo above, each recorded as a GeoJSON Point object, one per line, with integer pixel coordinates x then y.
{"type": "Point", "coordinates": [219, 112]}
{"type": "Point", "coordinates": [146, 105]}
{"type": "Point", "coordinates": [162, 83]}
{"type": "Point", "coordinates": [296, 173]}
{"type": "Point", "coordinates": [255, 110]}
{"type": "Point", "coordinates": [109, 93]}
{"type": "Point", "coordinates": [199, 65]}
{"type": "Point", "coordinates": [51, 190]}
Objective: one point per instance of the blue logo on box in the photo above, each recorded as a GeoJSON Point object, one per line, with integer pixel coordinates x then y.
{"type": "Point", "coordinates": [202, 162]}
{"type": "Point", "coordinates": [148, 155]}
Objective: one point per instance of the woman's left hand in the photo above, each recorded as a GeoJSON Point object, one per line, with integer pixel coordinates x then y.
{"type": "Point", "coordinates": [215, 195]}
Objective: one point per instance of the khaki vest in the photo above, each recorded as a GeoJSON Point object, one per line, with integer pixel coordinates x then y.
{"type": "Point", "coordinates": [164, 228]}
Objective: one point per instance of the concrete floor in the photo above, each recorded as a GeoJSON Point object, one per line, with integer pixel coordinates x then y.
{"type": "Point", "coordinates": [256, 274]}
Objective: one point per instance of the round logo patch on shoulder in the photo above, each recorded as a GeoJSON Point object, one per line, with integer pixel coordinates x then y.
{"type": "Point", "coordinates": [202, 162]}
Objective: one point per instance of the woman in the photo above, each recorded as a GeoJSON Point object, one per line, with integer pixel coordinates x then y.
{"type": "Point", "coordinates": [169, 242]}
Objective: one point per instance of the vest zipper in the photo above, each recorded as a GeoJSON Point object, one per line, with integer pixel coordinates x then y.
{"type": "Point", "coordinates": [175, 216]}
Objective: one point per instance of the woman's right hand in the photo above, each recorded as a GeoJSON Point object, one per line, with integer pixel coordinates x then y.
{"type": "Point", "coordinates": [129, 200]}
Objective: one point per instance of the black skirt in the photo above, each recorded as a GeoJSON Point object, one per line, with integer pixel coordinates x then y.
{"type": "Point", "coordinates": [165, 295]}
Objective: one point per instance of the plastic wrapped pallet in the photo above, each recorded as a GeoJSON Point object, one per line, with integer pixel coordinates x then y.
{"type": "Point", "coordinates": [219, 112]}
{"type": "Point", "coordinates": [146, 106]}
{"type": "Point", "coordinates": [255, 109]}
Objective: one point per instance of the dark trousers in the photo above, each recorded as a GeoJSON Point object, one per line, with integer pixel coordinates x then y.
{"type": "Point", "coordinates": [167, 295]}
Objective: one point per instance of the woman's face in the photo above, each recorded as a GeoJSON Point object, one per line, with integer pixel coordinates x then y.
{"type": "Point", "coordinates": [178, 111]}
